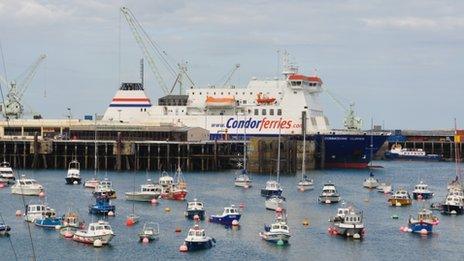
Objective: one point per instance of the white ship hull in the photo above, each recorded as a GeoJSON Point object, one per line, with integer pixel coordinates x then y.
{"type": "Point", "coordinates": [25, 191]}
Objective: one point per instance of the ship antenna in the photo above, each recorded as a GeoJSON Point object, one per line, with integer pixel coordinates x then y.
{"type": "Point", "coordinates": [141, 72]}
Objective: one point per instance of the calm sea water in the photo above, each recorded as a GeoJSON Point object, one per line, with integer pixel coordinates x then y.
{"type": "Point", "coordinates": [383, 239]}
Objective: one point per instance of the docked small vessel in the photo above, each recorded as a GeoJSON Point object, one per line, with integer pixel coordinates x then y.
{"type": "Point", "coordinates": [385, 188]}
{"type": "Point", "coordinates": [421, 191]}
{"type": "Point", "coordinates": [329, 194]}
{"type": "Point", "coordinates": [100, 230]}
{"type": "Point", "coordinates": [105, 189]}
{"type": "Point", "coordinates": [398, 152]}
{"type": "Point", "coordinates": [277, 231]}
{"type": "Point", "coordinates": [92, 183]}
{"type": "Point", "coordinates": [454, 203]}
{"type": "Point", "coordinates": [71, 223]}
{"type": "Point", "coordinates": [48, 219]}
{"type": "Point", "coordinates": [74, 173]}
{"type": "Point", "coordinates": [272, 188]}
{"type": "Point", "coordinates": [197, 239]}
{"type": "Point", "coordinates": [305, 182]}
{"type": "Point", "coordinates": [400, 198]}
{"type": "Point", "coordinates": [147, 192]}
{"type": "Point", "coordinates": [102, 206]}
{"type": "Point", "coordinates": [34, 211]}
{"type": "Point", "coordinates": [243, 180]}
{"type": "Point", "coordinates": [371, 182]}
{"type": "Point", "coordinates": [150, 231]}
{"type": "Point", "coordinates": [4, 229]}
{"type": "Point", "coordinates": [26, 186]}
{"type": "Point", "coordinates": [349, 225]}
{"type": "Point", "coordinates": [274, 202]}
{"type": "Point", "coordinates": [341, 213]}
{"type": "Point", "coordinates": [195, 208]}
{"type": "Point", "coordinates": [227, 217]}
{"type": "Point", "coordinates": [6, 173]}
{"type": "Point", "coordinates": [424, 222]}
{"type": "Point", "coordinates": [173, 190]}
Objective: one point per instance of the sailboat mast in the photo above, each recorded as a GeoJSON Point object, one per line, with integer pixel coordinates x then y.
{"type": "Point", "coordinates": [303, 165]}
{"type": "Point", "coordinates": [244, 145]}
{"type": "Point", "coordinates": [96, 147]}
{"type": "Point", "coordinates": [278, 154]}
{"type": "Point", "coordinates": [457, 156]}
{"type": "Point", "coordinates": [372, 143]}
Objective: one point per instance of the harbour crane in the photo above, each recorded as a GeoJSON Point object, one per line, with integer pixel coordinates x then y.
{"type": "Point", "coordinates": [13, 107]}
{"type": "Point", "coordinates": [231, 73]}
{"type": "Point", "coordinates": [351, 122]}
{"type": "Point", "coordinates": [150, 49]}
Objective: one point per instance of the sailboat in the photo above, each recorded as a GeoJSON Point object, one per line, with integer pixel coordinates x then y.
{"type": "Point", "coordinates": [305, 182]}
{"type": "Point", "coordinates": [371, 182]}
{"type": "Point", "coordinates": [132, 218]}
{"type": "Point", "coordinates": [243, 179]}
{"type": "Point", "coordinates": [93, 182]}
{"type": "Point", "coordinates": [273, 186]}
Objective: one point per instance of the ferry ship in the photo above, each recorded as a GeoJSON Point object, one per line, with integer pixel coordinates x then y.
{"type": "Point", "coordinates": [260, 109]}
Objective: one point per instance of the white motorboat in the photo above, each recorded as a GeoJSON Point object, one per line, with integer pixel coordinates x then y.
{"type": "Point", "coordinates": [422, 191]}
{"type": "Point", "coordinates": [195, 208]}
{"type": "Point", "coordinates": [274, 202]}
{"type": "Point", "coordinates": [147, 192]}
{"type": "Point", "coordinates": [350, 225]}
{"type": "Point", "coordinates": [341, 213]}
{"type": "Point", "coordinates": [371, 182]}
{"type": "Point", "coordinates": [305, 182]}
{"type": "Point", "coordinates": [150, 231]}
{"type": "Point", "coordinates": [105, 188]}
{"type": "Point", "coordinates": [243, 180]}
{"type": "Point", "coordinates": [99, 230]}
{"type": "Point", "coordinates": [6, 173]}
{"type": "Point", "coordinates": [329, 194]}
{"type": "Point", "coordinates": [197, 239]}
{"type": "Point", "coordinates": [74, 173]}
{"type": "Point", "coordinates": [34, 211]}
{"type": "Point", "coordinates": [277, 231]}
{"type": "Point", "coordinates": [26, 186]}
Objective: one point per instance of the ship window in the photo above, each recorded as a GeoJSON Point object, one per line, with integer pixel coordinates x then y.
{"type": "Point", "coordinates": [256, 112]}
{"type": "Point", "coordinates": [251, 93]}
{"type": "Point", "coordinates": [244, 102]}
{"type": "Point", "coordinates": [193, 93]}
{"type": "Point", "coordinates": [222, 93]}
{"type": "Point", "coordinates": [263, 112]}
{"type": "Point", "coordinates": [279, 111]}
{"type": "Point", "coordinates": [214, 93]}
{"type": "Point", "coordinates": [200, 93]}
{"type": "Point", "coordinates": [271, 112]}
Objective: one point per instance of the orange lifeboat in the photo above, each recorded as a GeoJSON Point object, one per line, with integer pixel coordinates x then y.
{"type": "Point", "coordinates": [222, 102]}
{"type": "Point", "coordinates": [265, 100]}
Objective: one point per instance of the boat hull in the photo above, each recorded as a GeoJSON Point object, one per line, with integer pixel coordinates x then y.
{"type": "Point", "coordinates": [26, 191]}
{"type": "Point", "coordinates": [275, 237]}
{"type": "Point", "coordinates": [190, 214]}
{"type": "Point", "coordinates": [403, 202]}
{"type": "Point", "coordinates": [348, 232]}
{"type": "Point", "coordinates": [49, 223]}
{"type": "Point", "coordinates": [268, 193]}
{"type": "Point", "coordinates": [274, 204]}
{"type": "Point", "coordinates": [141, 196]}
{"type": "Point", "coordinates": [199, 245]}
{"type": "Point", "coordinates": [417, 227]}
{"type": "Point", "coordinates": [452, 210]}
{"type": "Point", "coordinates": [105, 239]}
{"type": "Point", "coordinates": [224, 220]}
{"type": "Point", "coordinates": [70, 181]}
{"type": "Point", "coordinates": [99, 210]}
{"type": "Point", "coordinates": [329, 199]}
{"type": "Point", "coordinates": [394, 156]}
{"type": "Point", "coordinates": [176, 195]}
{"type": "Point", "coordinates": [243, 183]}
{"type": "Point", "coordinates": [415, 195]}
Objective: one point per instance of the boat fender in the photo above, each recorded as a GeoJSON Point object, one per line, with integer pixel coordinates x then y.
{"type": "Point", "coordinates": [183, 248]}
{"type": "Point", "coordinates": [97, 243]}
{"type": "Point", "coordinates": [145, 240]}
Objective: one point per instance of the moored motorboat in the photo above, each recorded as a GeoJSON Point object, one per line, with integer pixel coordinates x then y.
{"type": "Point", "coordinates": [100, 230]}
{"type": "Point", "coordinates": [197, 239]}
{"type": "Point", "coordinates": [385, 188]}
{"type": "Point", "coordinates": [34, 211]}
{"type": "Point", "coordinates": [277, 232]}
{"type": "Point", "coordinates": [26, 186]}
{"type": "Point", "coordinates": [6, 173]}
{"type": "Point", "coordinates": [147, 192]}
{"type": "Point", "coordinates": [424, 222]}
{"type": "Point", "coordinates": [92, 183]}
{"type": "Point", "coordinates": [400, 198]}
{"type": "Point", "coordinates": [421, 191]}
{"type": "Point", "coordinates": [105, 189]}
{"type": "Point", "coordinates": [454, 203]}
{"type": "Point", "coordinates": [227, 217]}
{"type": "Point", "coordinates": [272, 188]}
{"type": "Point", "coordinates": [173, 190]}
{"type": "Point", "coordinates": [329, 194]}
{"type": "Point", "coordinates": [350, 225]}
{"type": "Point", "coordinates": [149, 231]}
{"type": "Point", "coordinates": [243, 180]}
{"type": "Point", "coordinates": [195, 208]}
{"type": "Point", "coordinates": [102, 206]}
{"type": "Point", "coordinates": [341, 213]}
{"type": "Point", "coordinates": [48, 219]}
{"type": "Point", "coordinates": [274, 202]}
{"type": "Point", "coordinates": [74, 173]}
{"type": "Point", "coordinates": [371, 182]}
{"type": "Point", "coordinates": [4, 229]}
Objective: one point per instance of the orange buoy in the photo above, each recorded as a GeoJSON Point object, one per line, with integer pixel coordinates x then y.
{"type": "Point", "coordinates": [154, 201]}
{"type": "Point", "coordinates": [235, 223]}
{"type": "Point", "coordinates": [178, 230]}
{"type": "Point", "coordinates": [183, 248]}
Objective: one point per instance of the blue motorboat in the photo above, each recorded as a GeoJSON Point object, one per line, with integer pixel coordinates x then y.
{"type": "Point", "coordinates": [424, 222]}
{"type": "Point", "coordinates": [49, 219]}
{"type": "Point", "coordinates": [421, 191]}
{"type": "Point", "coordinates": [102, 206]}
{"type": "Point", "coordinates": [195, 208]}
{"type": "Point", "coordinates": [4, 229]}
{"type": "Point", "coordinates": [227, 217]}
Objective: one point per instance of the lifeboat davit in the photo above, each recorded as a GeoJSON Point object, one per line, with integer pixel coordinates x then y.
{"type": "Point", "coordinates": [222, 102]}
{"type": "Point", "coordinates": [265, 100]}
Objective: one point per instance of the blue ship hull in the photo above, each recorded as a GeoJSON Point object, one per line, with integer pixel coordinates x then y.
{"type": "Point", "coordinates": [4, 229]}
{"type": "Point", "coordinates": [337, 150]}
{"type": "Point", "coordinates": [101, 207]}
{"type": "Point", "coordinates": [192, 213]}
{"type": "Point", "coordinates": [224, 220]}
{"type": "Point", "coordinates": [194, 246]}
{"type": "Point", "coordinates": [48, 222]}
{"type": "Point", "coordinates": [424, 195]}
{"type": "Point", "coordinates": [267, 193]}
{"type": "Point", "coordinates": [417, 227]}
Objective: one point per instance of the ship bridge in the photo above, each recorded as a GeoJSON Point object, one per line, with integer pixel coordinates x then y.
{"type": "Point", "coordinates": [302, 82]}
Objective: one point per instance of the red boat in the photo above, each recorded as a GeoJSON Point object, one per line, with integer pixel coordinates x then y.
{"type": "Point", "coordinates": [173, 190]}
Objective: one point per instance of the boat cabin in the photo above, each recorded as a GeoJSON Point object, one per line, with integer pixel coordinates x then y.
{"type": "Point", "coordinates": [165, 180]}
{"type": "Point", "coordinates": [101, 225]}
{"type": "Point", "coordinates": [195, 205]}
{"type": "Point", "coordinates": [36, 208]}
{"type": "Point", "coordinates": [425, 214]}
{"type": "Point", "coordinates": [421, 187]}
{"type": "Point", "coordinates": [279, 226]}
{"type": "Point", "coordinates": [196, 232]}
{"type": "Point", "coordinates": [150, 188]}
{"type": "Point", "coordinates": [27, 182]}
{"type": "Point", "coordinates": [353, 218]}
{"type": "Point", "coordinates": [231, 211]}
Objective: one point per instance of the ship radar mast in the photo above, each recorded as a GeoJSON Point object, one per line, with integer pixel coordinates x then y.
{"type": "Point", "coordinates": [288, 67]}
{"type": "Point", "coordinates": [352, 122]}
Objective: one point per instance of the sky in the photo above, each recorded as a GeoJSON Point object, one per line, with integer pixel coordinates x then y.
{"type": "Point", "coordinates": [401, 62]}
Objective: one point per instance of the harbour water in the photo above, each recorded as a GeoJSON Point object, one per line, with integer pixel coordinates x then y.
{"type": "Point", "coordinates": [383, 240]}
